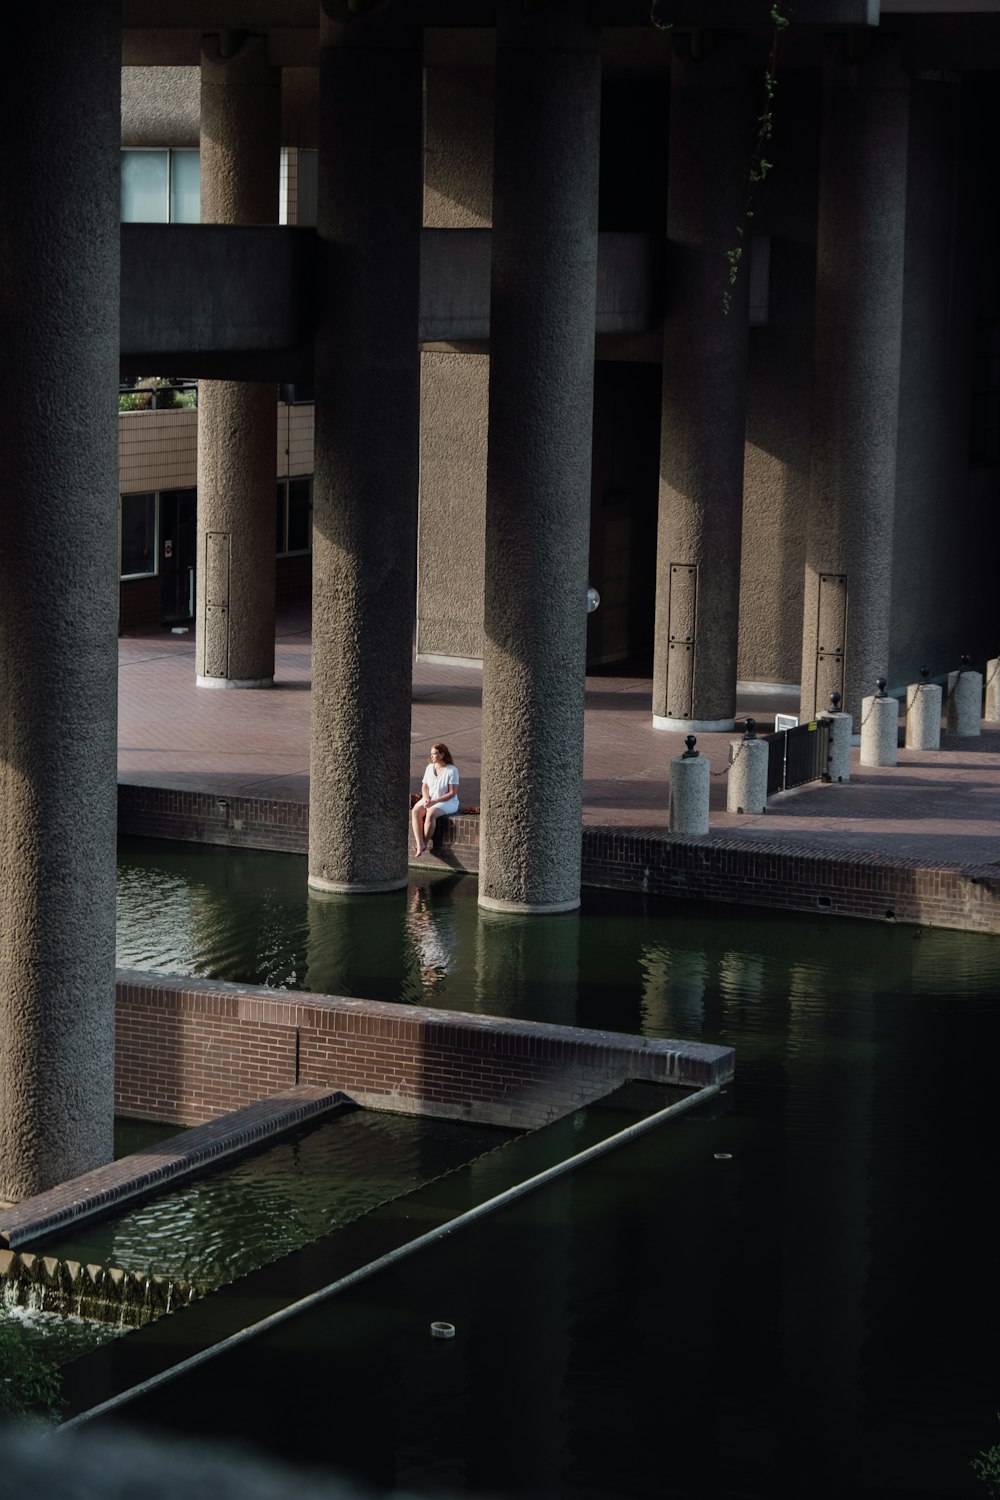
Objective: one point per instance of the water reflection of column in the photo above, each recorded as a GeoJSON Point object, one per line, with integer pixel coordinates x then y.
{"type": "Point", "coordinates": [741, 977]}
{"type": "Point", "coordinates": [359, 945]}
{"type": "Point", "coordinates": [673, 990]}
{"type": "Point", "coordinates": [528, 966]}
{"type": "Point", "coordinates": [824, 1243]}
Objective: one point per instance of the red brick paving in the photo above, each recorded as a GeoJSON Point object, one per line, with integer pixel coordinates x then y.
{"type": "Point", "coordinates": [937, 805]}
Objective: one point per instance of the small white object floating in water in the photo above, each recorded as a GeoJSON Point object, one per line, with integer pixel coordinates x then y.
{"type": "Point", "coordinates": [723, 1156]}
{"type": "Point", "coordinates": [442, 1330]}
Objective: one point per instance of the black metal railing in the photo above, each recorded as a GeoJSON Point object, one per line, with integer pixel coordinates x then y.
{"type": "Point", "coordinates": [797, 756]}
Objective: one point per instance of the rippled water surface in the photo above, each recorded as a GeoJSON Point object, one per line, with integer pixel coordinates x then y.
{"type": "Point", "coordinates": [814, 1316]}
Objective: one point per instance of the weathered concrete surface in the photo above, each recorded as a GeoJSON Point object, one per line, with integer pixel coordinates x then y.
{"type": "Point", "coordinates": [454, 401]}
{"type": "Point", "coordinates": [859, 311]}
{"type": "Point", "coordinates": [703, 421]}
{"type": "Point", "coordinates": [234, 615]}
{"type": "Point", "coordinates": [218, 301]}
{"type": "Point", "coordinates": [58, 596]}
{"type": "Point", "coordinates": [367, 435]}
{"type": "Point", "coordinates": [538, 487]}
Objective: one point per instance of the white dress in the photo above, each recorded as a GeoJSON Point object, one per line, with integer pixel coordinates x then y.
{"type": "Point", "coordinates": [438, 782]}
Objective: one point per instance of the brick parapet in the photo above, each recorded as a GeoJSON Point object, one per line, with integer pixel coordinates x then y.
{"type": "Point", "coordinates": [719, 867]}
{"type": "Point", "coordinates": [189, 1050]}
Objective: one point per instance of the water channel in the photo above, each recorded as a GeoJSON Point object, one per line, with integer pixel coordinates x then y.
{"type": "Point", "coordinates": [791, 1293]}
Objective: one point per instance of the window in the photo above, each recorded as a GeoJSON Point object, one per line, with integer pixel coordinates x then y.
{"type": "Point", "coordinates": [138, 535]}
{"type": "Point", "coordinates": [161, 187]}
{"type": "Point", "coordinates": [294, 516]}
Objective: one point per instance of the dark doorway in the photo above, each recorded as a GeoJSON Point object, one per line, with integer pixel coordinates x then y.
{"type": "Point", "coordinates": [178, 549]}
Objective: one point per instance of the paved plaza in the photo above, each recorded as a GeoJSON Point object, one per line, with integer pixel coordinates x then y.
{"type": "Point", "coordinates": [934, 805]}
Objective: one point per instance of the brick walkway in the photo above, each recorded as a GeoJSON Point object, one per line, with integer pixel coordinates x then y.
{"type": "Point", "coordinates": [941, 805]}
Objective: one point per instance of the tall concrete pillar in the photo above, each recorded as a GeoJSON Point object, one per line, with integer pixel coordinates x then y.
{"type": "Point", "coordinates": [931, 581]}
{"type": "Point", "coordinates": [542, 315]}
{"type": "Point", "coordinates": [59, 204]}
{"type": "Point", "coordinates": [367, 411]}
{"type": "Point", "coordinates": [703, 422]}
{"type": "Point", "coordinates": [859, 307]}
{"type": "Point", "coordinates": [237, 421]}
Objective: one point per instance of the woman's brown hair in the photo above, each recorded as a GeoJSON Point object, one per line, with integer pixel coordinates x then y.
{"type": "Point", "coordinates": [444, 753]}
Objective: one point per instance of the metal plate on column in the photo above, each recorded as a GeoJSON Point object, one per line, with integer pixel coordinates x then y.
{"type": "Point", "coordinates": [216, 622]}
{"type": "Point", "coordinates": [680, 655]}
{"type": "Point", "coordinates": [831, 636]}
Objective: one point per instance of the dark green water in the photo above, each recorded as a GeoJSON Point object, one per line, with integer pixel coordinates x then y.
{"type": "Point", "coordinates": [815, 1317]}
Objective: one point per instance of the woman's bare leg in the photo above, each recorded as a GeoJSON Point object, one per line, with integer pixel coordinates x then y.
{"type": "Point", "coordinates": [429, 822]}
{"type": "Point", "coordinates": [417, 819]}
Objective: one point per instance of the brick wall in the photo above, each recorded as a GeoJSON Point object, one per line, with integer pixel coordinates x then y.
{"type": "Point", "coordinates": [716, 868]}
{"type": "Point", "coordinates": [869, 886]}
{"type": "Point", "coordinates": [190, 1050]}
{"type": "Point", "coordinates": [206, 818]}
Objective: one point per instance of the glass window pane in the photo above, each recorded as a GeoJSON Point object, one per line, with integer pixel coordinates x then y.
{"type": "Point", "coordinates": [299, 515]}
{"type": "Point", "coordinates": [138, 534]}
{"type": "Point", "coordinates": [144, 187]}
{"type": "Point", "coordinates": [185, 187]}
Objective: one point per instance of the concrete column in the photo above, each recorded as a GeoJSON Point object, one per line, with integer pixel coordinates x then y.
{"type": "Point", "coordinates": [59, 204]}
{"type": "Point", "coordinates": [859, 301]}
{"type": "Point", "coordinates": [543, 308]}
{"type": "Point", "coordinates": [367, 406]}
{"type": "Point", "coordinates": [704, 394]}
{"type": "Point", "coordinates": [879, 728]}
{"type": "Point", "coordinates": [237, 421]}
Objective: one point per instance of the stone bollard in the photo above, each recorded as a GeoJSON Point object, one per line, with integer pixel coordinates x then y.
{"type": "Point", "coordinates": [747, 790]}
{"type": "Point", "coordinates": [965, 701]}
{"type": "Point", "coordinates": [992, 708]}
{"type": "Point", "coordinates": [841, 729]}
{"type": "Point", "coordinates": [688, 796]}
{"type": "Point", "coordinates": [879, 728]}
{"type": "Point", "coordinates": [923, 714]}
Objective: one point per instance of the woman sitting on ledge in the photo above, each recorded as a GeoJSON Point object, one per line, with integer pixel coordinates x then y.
{"type": "Point", "coordinates": [439, 794]}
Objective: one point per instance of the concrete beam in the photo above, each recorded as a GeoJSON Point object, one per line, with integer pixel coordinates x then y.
{"type": "Point", "coordinates": [237, 303]}
{"type": "Point", "coordinates": [218, 301]}
{"type": "Point", "coordinates": [455, 284]}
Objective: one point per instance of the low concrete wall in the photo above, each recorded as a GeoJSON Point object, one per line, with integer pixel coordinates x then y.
{"type": "Point", "coordinates": [189, 1050]}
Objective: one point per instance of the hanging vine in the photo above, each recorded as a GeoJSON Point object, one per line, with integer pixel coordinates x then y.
{"type": "Point", "coordinates": [759, 164]}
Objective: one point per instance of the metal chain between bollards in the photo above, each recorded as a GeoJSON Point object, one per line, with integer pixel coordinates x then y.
{"type": "Point", "coordinates": [750, 734]}
{"type": "Point", "coordinates": [949, 687]}
{"type": "Point", "coordinates": [880, 684]}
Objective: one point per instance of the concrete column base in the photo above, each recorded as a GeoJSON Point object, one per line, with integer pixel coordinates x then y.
{"type": "Point", "coordinates": [347, 887]}
{"type": "Point", "coordinates": [923, 716]}
{"type": "Point", "coordinates": [693, 726]}
{"type": "Point", "coordinates": [234, 682]}
{"type": "Point", "coordinates": [879, 731]}
{"type": "Point", "coordinates": [492, 903]}
{"type": "Point", "coordinates": [747, 789]}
